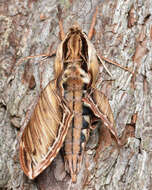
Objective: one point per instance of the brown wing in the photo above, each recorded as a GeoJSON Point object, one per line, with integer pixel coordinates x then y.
{"type": "Point", "coordinates": [100, 106]}
{"type": "Point", "coordinates": [44, 135]}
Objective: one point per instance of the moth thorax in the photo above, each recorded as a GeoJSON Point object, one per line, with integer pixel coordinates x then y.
{"type": "Point", "coordinates": [74, 46]}
{"type": "Point", "coordinates": [74, 73]}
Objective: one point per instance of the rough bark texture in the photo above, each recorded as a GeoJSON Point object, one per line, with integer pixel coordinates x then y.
{"type": "Point", "coordinates": [123, 33]}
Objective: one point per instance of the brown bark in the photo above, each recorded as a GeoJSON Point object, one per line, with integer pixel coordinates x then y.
{"type": "Point", "coordinates": [123, 33]}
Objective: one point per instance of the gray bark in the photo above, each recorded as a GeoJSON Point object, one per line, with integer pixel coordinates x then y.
{"type": "Point", "coordinates": [123, 33]}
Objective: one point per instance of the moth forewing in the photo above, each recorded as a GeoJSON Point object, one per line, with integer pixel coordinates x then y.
{"type": "Point", "coordinates": [45, 133]}
{"type": "Point", "coordinates": [93, 65]}
{"type": "Point", "coordinates": [58, 65]}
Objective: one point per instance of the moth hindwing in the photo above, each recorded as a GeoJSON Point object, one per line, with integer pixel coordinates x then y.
{"type": "Point", "coordinates": [68, 108]}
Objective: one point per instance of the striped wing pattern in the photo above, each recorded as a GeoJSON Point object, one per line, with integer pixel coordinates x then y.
{"type": "Point", "coordinates": [45, 133]}
{"type": "Point", "coordinates": [100, 106]}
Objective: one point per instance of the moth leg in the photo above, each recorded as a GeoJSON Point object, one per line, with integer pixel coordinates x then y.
{"type": "Point", "coordinates": [114, 63]}
{"type": "Point", "coordinates": [100, 106]}
{"type": "Point", "coordinates": [41, 67]}
{"type": "Point", "coordinates": [35, 56]}
{"type": "Point", "coordinates": [91, 31]}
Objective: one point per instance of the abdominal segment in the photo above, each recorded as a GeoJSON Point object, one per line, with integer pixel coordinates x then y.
{"type": "Point", "coordinates": [78, 132]}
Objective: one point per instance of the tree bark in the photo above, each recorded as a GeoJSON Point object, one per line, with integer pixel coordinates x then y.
{"type": "Point", "coordinates": [123, 33]}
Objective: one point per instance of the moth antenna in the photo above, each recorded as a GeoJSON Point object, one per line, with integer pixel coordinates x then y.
{"type": "Point", "coordinates": [61, 33]}
{"type": "Point", "coordinates": [91, 31]}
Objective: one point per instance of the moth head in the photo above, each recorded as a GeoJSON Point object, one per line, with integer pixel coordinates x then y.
{"type": "Point", "coordinates": [75, 28]}
{"type": "Point", "coordinates": [76, 46]}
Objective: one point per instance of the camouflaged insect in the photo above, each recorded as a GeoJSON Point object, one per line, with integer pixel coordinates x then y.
{"type": "Point", "coordinates": [67, 109]}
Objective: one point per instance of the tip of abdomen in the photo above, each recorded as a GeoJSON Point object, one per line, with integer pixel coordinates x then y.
{"type": "Point", "coordinates": [74, 178]}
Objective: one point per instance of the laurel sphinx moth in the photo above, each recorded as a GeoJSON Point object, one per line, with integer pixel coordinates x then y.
{"type": "Point", "coordinates": [67, 109]}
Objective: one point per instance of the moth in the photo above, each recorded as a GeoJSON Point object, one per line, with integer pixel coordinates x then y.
{"type": "Point", "coordinates": [68, 108]}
